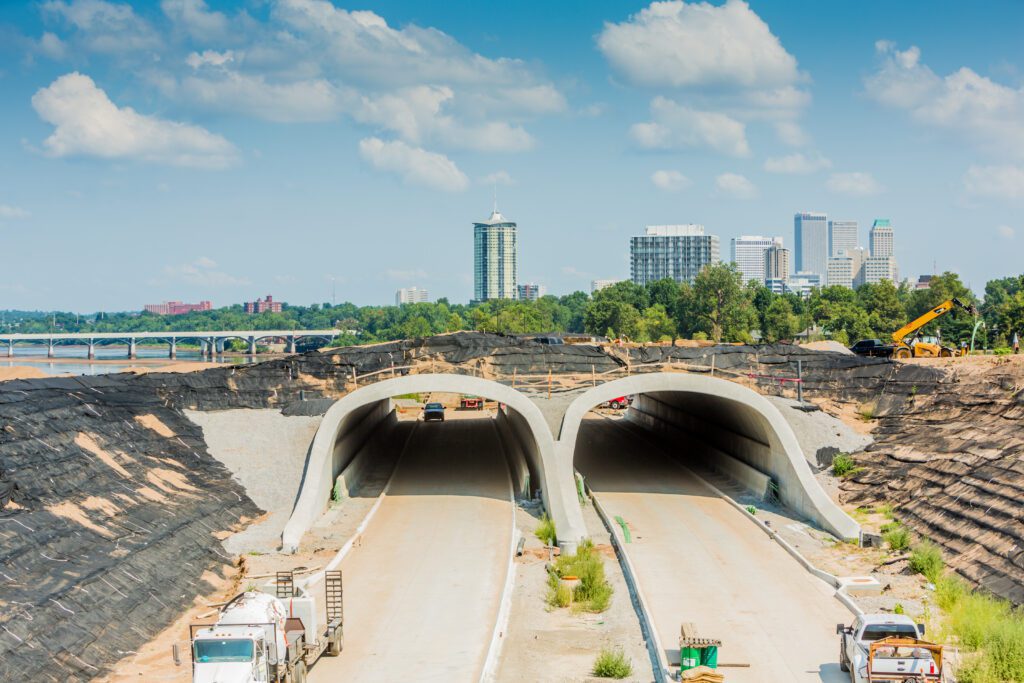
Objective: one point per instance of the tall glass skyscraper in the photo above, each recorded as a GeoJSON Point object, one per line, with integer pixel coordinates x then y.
{"type": "Point", "coordinates": [678, 252]}
{"type": "Point", "coordinates": [810, 242]}
{"type": "Point", "coordinates": [495, 259]}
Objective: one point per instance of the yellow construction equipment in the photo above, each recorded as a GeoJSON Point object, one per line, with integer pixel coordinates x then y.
{"type": "Point", "coordinates": [911, 344]}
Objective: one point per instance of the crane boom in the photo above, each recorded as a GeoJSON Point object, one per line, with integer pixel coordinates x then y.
{"type": "Point", "coordinates": [942, 309]}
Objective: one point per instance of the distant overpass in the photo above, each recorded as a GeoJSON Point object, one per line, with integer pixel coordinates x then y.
{"type": "Point", "coordinates": [210, 342]}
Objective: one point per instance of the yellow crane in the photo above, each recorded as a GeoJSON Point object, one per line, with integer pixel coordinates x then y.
{"type": "Point", "coordinates": [909, 341]}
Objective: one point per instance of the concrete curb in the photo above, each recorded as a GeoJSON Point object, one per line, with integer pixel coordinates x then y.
{"type": "Point", "coordinates": [654, 648]}
{"type": "Point", "coordinates": [361, 529]}
{"type": "Point", "coordinates": [490, 669]}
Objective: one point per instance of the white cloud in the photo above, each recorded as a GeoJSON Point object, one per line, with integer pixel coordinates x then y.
{"type": "Point", "coordinates": [209, 58]}
{"type": "Point", "coordinates": [203, 272]}
{"type": "Point", "coordinates": [8, 211]}
{"type": "Point", "coordinates": [735, 186]}
{"type": "Point", "coordinates": [1006, 232]}
{"type": "Point", "coordinates": [87, 123]}
{"type": "Point", "coordinates": [670, 181]}
{"type": "Point", "coordinates": [857, 184]}
{"type": "Point", "coordinates": [987, 113]}
{"type": "Point", "coordinates": [679, 44]}
{"type": "Point", "coordinates": [791, 133]}
{"type": "Point", "coordinates": [283, 102]}
{"type": "Point", "coordinates": [415, 165]}
{"type": "Point", "coordinates": [797, 163]}
{"type": "Point", "coordinates": [196, 18]}
{"type": "Point", "coordinates": [675, 125]}
{"type": "Point", "coordinates": [52, 46]}
{"type": "Point", "coordinates": [1001, 182]}
{"type": "Point", "coordinates": [105, 27]}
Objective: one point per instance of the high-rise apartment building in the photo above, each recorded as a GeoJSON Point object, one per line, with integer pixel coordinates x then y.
{"type": "Point", "coordinates": [411, 295]}
{"type": "Point", "coordinates": [880, 238]}
{"type": "Point", "coordinates": [678, 252]}
{"type": "Point", "coordinates": [776, 263]}
{"type": "Point", "coordinates": [598, 285]}
{"type": "Point", "coordinates": [748, 253]}
{"type": "Point", "coordinates": [531, 291]}
{"type": "Point", "coordinates": [842, 237]}
{"type": "Point", "coordinates": [494, 259]}
{"type": "Point", "coordinates": [810, 242]}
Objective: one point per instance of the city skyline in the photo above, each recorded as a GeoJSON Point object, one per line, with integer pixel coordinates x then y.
{"type": "Point", "coordinates": [214, 147]}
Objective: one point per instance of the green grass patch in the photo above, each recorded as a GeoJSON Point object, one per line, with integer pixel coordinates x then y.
{"type": "Point", "coordinates": [897, 538]}
{"type": "Point", "coordinates": [592, 593]}
{"type": "Point", "coordinates": [867, 412]}
{"type": "Point", "coordinates": [843, 465]}
{"type": "Point", "coordinates": [751, 509]}
{"type": "Point", "coordinates": [926, 559]}
{"type": "Point", "coordinates": [545, 531]}
{"type": "Point", "coordinates": [989, 630]}
{"type": "Point", "coordinates": [612, 664]}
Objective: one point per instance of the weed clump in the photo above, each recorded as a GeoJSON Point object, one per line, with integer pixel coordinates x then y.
{"type": "Point", "coordinates": [593, 593]}
{"type": "Point", "coordinates": [926, 559]}
{"type": "Point", "coordinates": [546, 530]}
{"type": "Point", "coordinates": [989, 629]}
{"type": "Point", "coordinates": [844, 465]}
{"type": "Point", "coordinates": [612, 664]}
{"type": "Point", "coordinates": [897, 537]}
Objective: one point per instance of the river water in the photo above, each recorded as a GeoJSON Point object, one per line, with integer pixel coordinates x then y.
{"type": "Point", "coordinates": [65, 359]}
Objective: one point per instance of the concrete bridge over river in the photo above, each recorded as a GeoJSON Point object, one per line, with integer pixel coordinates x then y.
{"type": "Point", "coordinates": [210, 342]}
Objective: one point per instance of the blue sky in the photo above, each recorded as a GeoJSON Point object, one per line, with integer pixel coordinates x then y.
{"type": "Point", "coordinates": [182, 149]}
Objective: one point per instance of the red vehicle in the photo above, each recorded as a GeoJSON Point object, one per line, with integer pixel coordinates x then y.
{"type": "Point", "coordinates": [471, 403]}
{"type": "Point", "coordinates": [618, 403]}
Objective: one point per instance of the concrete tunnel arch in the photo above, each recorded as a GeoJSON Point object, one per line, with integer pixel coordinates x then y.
{"type": "Point", "coordinates": [739, 429]}
{"type": "Point", "coordinates": [353, 417]}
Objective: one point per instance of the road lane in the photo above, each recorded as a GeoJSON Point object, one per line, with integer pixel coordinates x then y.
{"type": "Point", "coordinates": [423, 589]}
{"type": "Point", "coordinates": [698, 559]}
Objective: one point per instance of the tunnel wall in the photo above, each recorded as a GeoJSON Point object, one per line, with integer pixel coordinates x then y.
{"type": "Point", "coordinates": [556, 478]}
{"type": "Point", "coordinates": [670, 422]}
{"type": "Point", "coordinates": [748, 427]}
{"type": "Point", "coordinates": [520, 451]}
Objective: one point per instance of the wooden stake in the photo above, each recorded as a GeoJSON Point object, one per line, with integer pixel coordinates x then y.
{"type": "Point", "coordinates": [593, 375]}
{"type": "Point", "coordinates": [712, 365]}
{"type": "Point", "coordinates": [549, 383]}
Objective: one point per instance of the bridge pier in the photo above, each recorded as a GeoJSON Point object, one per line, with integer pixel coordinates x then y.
{"type": "Point", "coordinates": [49, 349]}
{"type": "Point", "coordinates": [131, 348]}
{"type": "Point", "coordinates": [218, 346]}
{"type": "Point", "coordinates": [92, 350]}
{"type": "Point", "coordinates": [172, 351]}
{"type": "Point", "coordinates": [290, 345]}
{"type": "Point", "coordinates": [252, 346]}
{"type": "Point", "coordinates": [10, 348]}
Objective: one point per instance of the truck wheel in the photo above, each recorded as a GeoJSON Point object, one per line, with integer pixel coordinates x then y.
{"type": "Point", "coordinates": [843, 664]}
{"type": "Point", "coordinates": [299, 673]}
{"type": "Point", "coordinates": [946, 353]}
{"type": "Point", "coordinates": [902, 353]}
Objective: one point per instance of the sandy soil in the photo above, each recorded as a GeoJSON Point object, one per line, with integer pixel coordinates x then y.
{"type": "Point", "coordinates": [20, 372]}
{"type": "Point", "coordinates": [557, 645]}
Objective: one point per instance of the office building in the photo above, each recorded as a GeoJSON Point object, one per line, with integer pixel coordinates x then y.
{"type": "Point", "coordinates": [678, 252]}
{"type": "Point", "coordinates": [495, 258]}
{"type": "Point", "coordinates": [842, 237]}
{"type": "Point", "coordinates": [531, 291]}
{"type": "Point", "coordinates": [776, 263]}
{"type": "Point", "coordinates": [177, 307]}
{"type": "Point", "coordinates": [267, 305]}
{"type": "Point", "coordinates": [880, 238]}
{"type": "Point", "coordinates": [810, 242]}
{"type": "Point", "coordinates": [598, 285]}
{"type": "Point", "coordinates": [411, 295]}
{"type": "Point", "coordinates": [804, 283]}
{"type": "Point", "coordinates": [847, 268]}
{"type": "Point", "coordinates": [878, 268]}
{"type": "Point", "coordinates": [748, 253]}
{"type": "Point", "coordinates": [923, 282]}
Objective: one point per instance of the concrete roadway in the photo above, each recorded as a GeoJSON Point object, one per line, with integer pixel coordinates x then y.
{"type": "Point", "coordinates": [422, 591]}
{"type": "Point", "coordinates": [698, 559]}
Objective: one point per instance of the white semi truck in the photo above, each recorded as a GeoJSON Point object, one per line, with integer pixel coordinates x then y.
{"type": "Point", "coordinates": [269, 636]}
{"type": "Point", "coordinates": [888, 647]}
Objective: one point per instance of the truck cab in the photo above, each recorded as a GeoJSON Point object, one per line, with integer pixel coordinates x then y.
{"type": "Point", "coordinates": [887, 647]}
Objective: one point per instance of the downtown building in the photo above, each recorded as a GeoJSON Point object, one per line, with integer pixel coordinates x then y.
{"type": "Point", "coordinates": [267, 305]}
{"type": "Point", "coordinates": [748, 253]}
{"type": "Point", "coordinates": [811, 243]}
{"type": "Point", "coordinates": [846, 269]}
{"type": "Point", "coordinates": [530, 291]}
{"type": "Point", "coordinates": [411, 295]}
{"type": "Point", "coordinates": [678, 252]}
{"type": "Point", "coordinates": [598, 285]}
{"type": "Point", "coordinates": [881, 263]}
{"type": "Point", "coordinates": [842, 237]}
{"type": "Point", "coordinates": [495, 259]}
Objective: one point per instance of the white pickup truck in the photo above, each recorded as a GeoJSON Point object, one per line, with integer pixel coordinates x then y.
{"type": "Point", "coordinates": [888, 647]}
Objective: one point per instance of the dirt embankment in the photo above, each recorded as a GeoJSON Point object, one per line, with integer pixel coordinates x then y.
{"type": "Point", "coordinates": [950, 458]}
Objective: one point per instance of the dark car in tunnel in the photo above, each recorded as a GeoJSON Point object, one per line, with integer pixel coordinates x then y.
{"type": "Point", "coordinates": [433, 411]}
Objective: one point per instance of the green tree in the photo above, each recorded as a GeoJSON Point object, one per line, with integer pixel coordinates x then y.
{"type": "Point", "coordinates": [719, 305]}
{"type": "Point", "coordinates": [882, 304]}
{"type": "Point", "coordinates": [626, 292]}
{"type": "Point", "coordinates": [602, 315]}
{"type": "Point", "coordinates": [779, 321]}
{"type": "Point", "coordinates": [656, 324]}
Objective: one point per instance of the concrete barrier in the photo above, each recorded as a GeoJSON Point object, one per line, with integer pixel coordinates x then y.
{"type": "Point", "coordinates": [729, 418]}
{"type": "Point", "coordinates": [360, 412]}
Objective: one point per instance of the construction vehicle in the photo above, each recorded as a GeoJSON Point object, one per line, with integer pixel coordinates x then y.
{"type": "Point", "coordinates": [468, 402]}
{"type": "Point", "coordinates": [268, 636]}
{"type": "Point", "coordinates": [910, 343]}
{"type": "Point", "coordinates": [888, 647]}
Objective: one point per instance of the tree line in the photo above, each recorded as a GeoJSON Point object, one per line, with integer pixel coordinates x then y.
{"type": "Point", "coordinates": [717, 306]}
